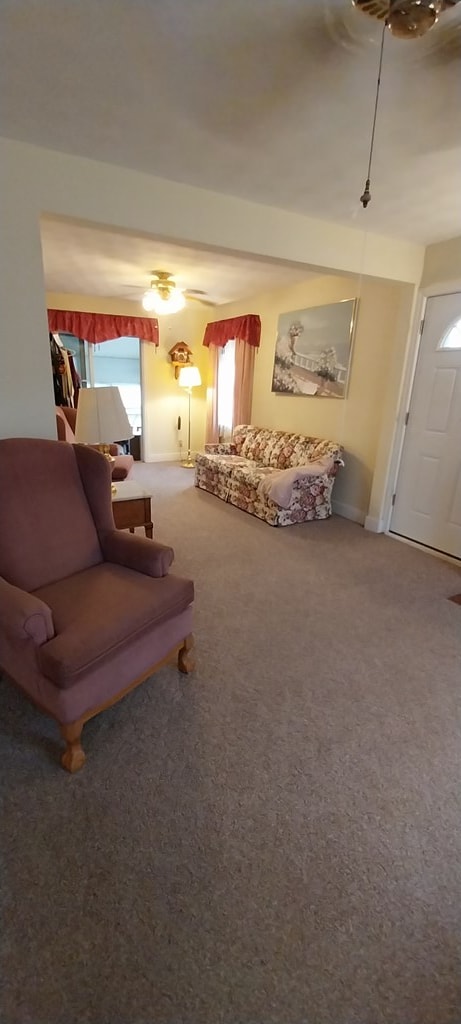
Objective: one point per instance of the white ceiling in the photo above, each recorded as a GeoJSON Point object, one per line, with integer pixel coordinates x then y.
{"type": "Point", "coordinates": [270, 100]}
{"type": "Point", "coordinates": [91, 260]}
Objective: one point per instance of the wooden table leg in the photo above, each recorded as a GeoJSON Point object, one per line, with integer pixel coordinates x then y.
{"type": "Point", "coordinates": [149, 530]}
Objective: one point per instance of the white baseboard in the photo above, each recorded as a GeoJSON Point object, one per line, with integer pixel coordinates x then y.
{"type": "Point", "coordinates": [164, 457]}
{"type": "Point", "coordinates": [349, 512]}
{"type": "Point", "coordinates": [374, 525]}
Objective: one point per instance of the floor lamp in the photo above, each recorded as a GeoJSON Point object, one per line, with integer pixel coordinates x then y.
{"type": "Point", "coordinates": [189, 377]}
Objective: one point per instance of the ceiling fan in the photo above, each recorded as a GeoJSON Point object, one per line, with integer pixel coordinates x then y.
{"type": "Point", "coordinates": [164, 296]}
{"type": "Point", "coordinates": [406, 19]}
{"type": "Point", "coordinates": [433, 25]}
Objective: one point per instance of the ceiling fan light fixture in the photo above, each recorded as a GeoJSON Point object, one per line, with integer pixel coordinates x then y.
{"type": "Point", "coordinates": [172, 303]}
{"type": "Point", "coordinates": [411, 19]}
{"type": "Point", "coordinates": [163, 296]}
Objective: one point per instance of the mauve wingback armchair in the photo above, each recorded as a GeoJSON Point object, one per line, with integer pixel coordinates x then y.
{"type": "Point", "coordinates": [87, 612]}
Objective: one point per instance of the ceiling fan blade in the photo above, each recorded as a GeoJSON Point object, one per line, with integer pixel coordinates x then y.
{"type": "Point", "coordinates": [190, 296]}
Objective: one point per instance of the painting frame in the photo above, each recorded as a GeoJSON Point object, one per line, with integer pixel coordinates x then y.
{"type": "Point", "coordinates": [313, 350]}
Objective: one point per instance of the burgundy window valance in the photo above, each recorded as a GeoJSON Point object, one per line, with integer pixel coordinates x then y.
{"type": "Point", "coordinates": [245, 328]}
{"type": "Point", "coordinates": [98, 327]}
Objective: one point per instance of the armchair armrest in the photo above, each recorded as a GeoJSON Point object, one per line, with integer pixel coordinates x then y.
{"type": "Point", "coordinates": [23, 615]}
{"type": "Point", "coordinates": [138, 553]}
{"type": "Point", "coordinates": [224, 448]}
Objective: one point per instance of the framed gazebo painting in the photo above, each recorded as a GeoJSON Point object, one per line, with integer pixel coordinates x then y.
{"type": "Point", "coordinates": [313, 350]}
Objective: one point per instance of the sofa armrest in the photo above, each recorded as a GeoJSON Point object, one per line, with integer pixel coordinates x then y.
{"type": "Point", "coordinates": [225, 448]}
{"type": "Point", "coordinates": [24, 616]}
{"type": "Point", "coordinates": [138, 553]}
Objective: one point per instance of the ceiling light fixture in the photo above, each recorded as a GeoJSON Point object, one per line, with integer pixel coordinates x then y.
{"type": "Point", "coordinates": [406, 19]}
{"type": "Point", "coordinates": [163, 296]}
{"type": "Point", "coordinates": [413, 18]}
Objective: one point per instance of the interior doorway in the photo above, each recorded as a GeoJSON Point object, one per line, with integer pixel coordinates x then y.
{"type": "Point", "coordinates": [427, 501]}
{"type": "Point", "coordinates": [116, 362]}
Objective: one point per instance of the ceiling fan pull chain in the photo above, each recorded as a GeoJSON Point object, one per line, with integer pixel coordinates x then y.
{"type": "Point", "coordinates": [366, 194]}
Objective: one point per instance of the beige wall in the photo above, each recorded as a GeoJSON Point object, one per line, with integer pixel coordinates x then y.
{"type": "Point", "coordinates": [442, 265]}
{"type": "Point", "coordinates": [163, 399]}
{"type": "Point", "coordinates": [357, 422]}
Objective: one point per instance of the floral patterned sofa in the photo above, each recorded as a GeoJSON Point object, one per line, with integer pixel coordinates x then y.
{"type": "Point", "coordinates": [258, 461]}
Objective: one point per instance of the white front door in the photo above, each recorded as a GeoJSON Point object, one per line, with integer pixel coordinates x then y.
{"type": "Point", "coordinates": [427, 503]}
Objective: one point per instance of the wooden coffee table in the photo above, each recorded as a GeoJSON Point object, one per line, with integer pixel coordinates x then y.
{"type": "Point", "coordinates": [131, 506]}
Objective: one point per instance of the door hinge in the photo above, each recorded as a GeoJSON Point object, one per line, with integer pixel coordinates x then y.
{"type": "Point", "coordinates": [421, 326]}
{"type": "Point", "coordinates": [407, 417]}
{"type": "Point", "coordinates": [393, 500]}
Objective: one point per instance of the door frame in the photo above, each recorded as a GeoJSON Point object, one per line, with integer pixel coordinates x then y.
{"type": "Point", "coordinates": [432, 291]}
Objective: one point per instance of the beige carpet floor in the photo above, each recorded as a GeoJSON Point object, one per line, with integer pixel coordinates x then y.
{"type": "Point", "coordinates": [276, 840]}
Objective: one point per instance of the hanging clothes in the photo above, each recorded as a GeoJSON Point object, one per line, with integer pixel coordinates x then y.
{"type": "Point", "coordinates": [68, 386]}
{"type": "Point", "coordinates": [66, 381]}
{"type": "Point", "coordinates": [59, 369]}
{"type": "Point", "coordinates": [76, 382]}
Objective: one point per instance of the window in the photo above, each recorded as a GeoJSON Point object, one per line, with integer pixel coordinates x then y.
{"type": "Point", "coordinates": [226, 378]}
{"type": "Point", "coordinates": [118, 362]}
{"type": "Point", "coordinates": [452, 337]}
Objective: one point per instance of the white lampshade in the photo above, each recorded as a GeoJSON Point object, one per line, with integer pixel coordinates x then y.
{"type": "Point", "coordinates": [101, 417]}
{"type": "Point", "coordinates": [189, 377]}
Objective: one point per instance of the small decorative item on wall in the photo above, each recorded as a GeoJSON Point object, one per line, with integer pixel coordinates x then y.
{"type": "Point", "coordinates": [180, 355]}
{"type": "Point", "coordinates": [313, 350]}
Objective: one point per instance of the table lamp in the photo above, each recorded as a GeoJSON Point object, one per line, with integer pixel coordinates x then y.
{"type": "Point", "coordinates": [101, 419]}
{"type": "Point", "coordinates": [189, 377]}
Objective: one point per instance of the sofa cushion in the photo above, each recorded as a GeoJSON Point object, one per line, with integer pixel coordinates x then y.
{"type": "Point", "coordinates": [250, 473]}
{"type": "Point", "coordinates": [238, 437]}
{"type": "Point", "coordinates": [290, 450]}
{"type": "Point", "coordinates": [98, 610]}
{"type": "Point", "coordinates": [258, 442]}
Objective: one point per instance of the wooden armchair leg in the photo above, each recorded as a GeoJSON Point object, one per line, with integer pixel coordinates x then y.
{"type": "Point", "coordinates": [186, 655]}
{"type": "Point", "coordinates": [73, 757]}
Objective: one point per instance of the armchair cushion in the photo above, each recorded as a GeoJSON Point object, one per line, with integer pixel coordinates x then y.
{"type": "Point", "coordinates": [97, 611]}
{"type": "Point", "coordinates": [24, 616]}
{"type": "Point", "coordinates": [121, 466]}
{"type": "Point", "coordinates": [63, 427]}
{"type": "Point", "coordinates": [137, 553]}
{"type": "Point", "coordinates": [46, 527]}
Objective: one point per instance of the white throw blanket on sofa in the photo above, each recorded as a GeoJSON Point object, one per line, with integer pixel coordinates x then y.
{"type": "Point", "coordinates": [278, 484]}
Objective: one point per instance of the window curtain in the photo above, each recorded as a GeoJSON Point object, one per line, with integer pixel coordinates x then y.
{"type": "Point", "coordinates": [247, 328]}
{"type": "Point", "coordinates": [243, 385]}
{"type": "Point", "coordinates": [212, 428]}
{"type": "Point", "coordinates": [99, 327]}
